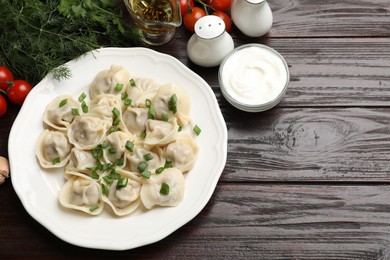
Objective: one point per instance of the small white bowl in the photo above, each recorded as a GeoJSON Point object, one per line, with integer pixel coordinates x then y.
{"type": "Point", "coordinates": [253, 77]}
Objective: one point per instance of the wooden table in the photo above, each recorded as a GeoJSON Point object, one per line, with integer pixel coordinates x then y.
{"type": "Point", "coordinates": [308, 179]}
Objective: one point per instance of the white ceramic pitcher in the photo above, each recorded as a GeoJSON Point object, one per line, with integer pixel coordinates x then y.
{"type": "Point", "coordinates": [252, 17]}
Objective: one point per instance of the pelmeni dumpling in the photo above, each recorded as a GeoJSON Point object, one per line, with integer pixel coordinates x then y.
{"type": "Point", "coordinates": [86, 132]}
{"type": "Point", "coordinates": [182, 152]}
{"type": "Point", "coordinates": [122, 194]}
{"type": "Point", "coordinates": [58, 113]}
{"type": "Point", "coordinates": [153, 157]}
{"type": "Point", "coordinates": [134, 119]}
{"type": "Point", "coordinates": [104, 104]}
{"type": "Point", "coordinates": [159, 133]}
{"type": "Point", "coordinates": [105, 82]}
{"type": "Point", "coordinates": [152, 195]}
{"type": "Point", "coordinates": [142, 89]}
{"type": "Point", "coordinates": [164, 103]}
{"type": "Point", "coordinates": [116, 146]}
{"type": "Point", "coordinates": [80, 161]}
{"type": "Point", "coordinates": [53, 149]}
{"type": "Point", "coordinates": [82, 193]}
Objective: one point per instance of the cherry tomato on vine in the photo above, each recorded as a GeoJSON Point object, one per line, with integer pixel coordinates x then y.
{"type": "Point", "coordinates": [18, 92]}
{"type": "Point", "coordinates": [184, 4]}
{"type": "Point", "coordinates": [219, 5]}
{"type": "Point", "coordinates": [190, 19]}
{"type": "Point", "coordinates": [3, 106]}
{"type": "Point", "coordinates": [225, 18]}
{"type": "Point", "coordinates": [6, 78]}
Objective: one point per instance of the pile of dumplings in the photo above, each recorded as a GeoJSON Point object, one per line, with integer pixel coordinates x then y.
{"type": "Point", "coordinates": [128, 145]}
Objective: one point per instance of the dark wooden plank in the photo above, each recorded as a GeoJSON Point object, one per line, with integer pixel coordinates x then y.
{"type": "Point", "coordinates": [330, 18]}
{"type": "Point", "coordinates": [309, 144]}
{"type": "Point", "coordinates": [241, 221]}
{"type": "Point", "coordinates": [323, 72]}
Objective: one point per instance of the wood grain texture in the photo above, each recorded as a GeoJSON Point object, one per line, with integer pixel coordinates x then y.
{"type": "Point", "coordinates": [242, 222]}
{"type": "Point", "coordinates": [309, 144]}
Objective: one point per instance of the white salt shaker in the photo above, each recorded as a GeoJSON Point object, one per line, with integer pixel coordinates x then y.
{"type": "Point", "coordinates": [252, 17]}
{"type": "Point", "coordinates": [210, 43]}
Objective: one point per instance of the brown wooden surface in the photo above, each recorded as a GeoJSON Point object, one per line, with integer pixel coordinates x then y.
{"type": "Point", "coordinates": [308, 179]}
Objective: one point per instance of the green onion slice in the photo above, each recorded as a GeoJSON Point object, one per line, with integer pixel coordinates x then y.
{"type": "Point", "coordinates": [84, 107]}
{"type": "Point", "coordinates": [151, 113]}
{"type": "Point", "coordinates": [63, 102]}
{"type": "Point", "coordinates": [112, 150]}
{"type": "Point", "coordinates": [105, 189]}
{"type": "Point", "coordinates": [114, 175]}
{"type": "Point", "coordinates": [197, 130]}
{"type": "Point", "coordinates": [122, 182]}
{"type": "Point", "coordinates": [127, 102]}
{"type": "Point", "coordinates": [56, 160]}
{"type": "Point", "coordinates": [93, 208]}
{"type": "Point", "coordinates": [160, 170]}
{"type": "Point", "coordinates": [132, 82]}
{"type": "Point", "coordinates": [118, 87]}
{"type": "Point", "coordinates": [164, 188]}
{"type": "Point", "coordinates": [142, 166]}
{"type": "Point", "coordinates": [75, 112]}
{"type": "Point", "coordinates": [164, 117]}
{"type": "Point", "coordinates": [115, 112]}
{"type": "Point", "coordinates": [146, 174]}
{"type": "Point", "coordinates": [107, 179]}
{"type": "Point", "coordinates": [148, 103]}
{"type": "Point", "coordinates": [143, 134]}
{"type": "Point", "coordinates": [168, 164]}
{"type": "Point", "coordinates": [82, 97]}
{"type": "Point", "coordinates": [95, 175]}
{"type": "Point", "coordinates": [129, 146]}
{"type": "Point", "coordinates": [172, 104]}
{"type": "Point", "coordinates": [124, 95]}
{"type": "Point", "coordinates": [148, 157]}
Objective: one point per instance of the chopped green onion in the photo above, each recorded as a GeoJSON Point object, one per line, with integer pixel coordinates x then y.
{"type": "Point", "coordinates": [102, 145]}
{"type": "Point", "coordinates": [107, 179]}
{"type": "Point", "coordinates": [115, 112]}
{"type": "Point", "coordinates": [180, 128]}
{"type": "Point", "coordinates": [97, 153]}
{"type": "Point", "coordinates": [82, 97]}
{"type": "Point", "coordinates": [124, 95]}
{"type": "Point", "coordinates": [75, 112]}
{"type": "Point", "coordinates": [116, 121]}
{"type": "Point", "coordinates": [148, 103]}
{"type": "Point", "coordinates": [142, 166]}
{"type": "Point", "coordinates": [143, 134]}
{"type": "Point", "coordinates": [56, 160]}
{"type": "Point", "coordinates": [93, 208]}
{"type": "Point", "coordinates": [84, 107]}
{"type": "Point", "coordinates": [148, 157]}
{"type": "Point", "coordinates": [197, 130]}
{"type": "Point", "coordinates": [164, 117]}
{"type": "Point", "coordinates": [132, 82]}
{"type": "Point", "coordinates": [118, 87]}
{"type": "Point", "coordinates": [92, 169]}
{"type": "Point", "coordinates": [63, 102]}
{"type": "Point", "coordinates": [151, 113]}
{"type": "Point", "coordinates": [106, 166]}
{"type": "Point", "coordinates": [95, 175]}
{"type": "Point", "coordinates": [112, 150]}
{"type": "Point", "coordinates": [168, 164]}
{"type": "Point", "coordinates": [114, 175]}
{"type": "Point", "coordinates": [164, 188]}
{"type": "Point", "coordinates": [160, 170]}
{"type": "Point", "coordinates": [99, 165]}
{"type": "Point", "coordinates": [122, 182]}
{"type": "Point", "coordinates": [120, 162]}
{"type": "Point", "coordinates": [129, 146]}
{"type": "Point", "coordinates": [105, 189]}
{"type": "Point", "coordinates": [172, 104]}
{"type": "Point", "coordinates": [127, 102]}
{"type": "Point", "coordinates": [113, 129]}
{"type": "Point", "coordinates": [146, 174]}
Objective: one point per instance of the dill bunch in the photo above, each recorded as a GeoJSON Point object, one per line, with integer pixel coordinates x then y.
{"type": "Point", "coordinates": [38, 37]}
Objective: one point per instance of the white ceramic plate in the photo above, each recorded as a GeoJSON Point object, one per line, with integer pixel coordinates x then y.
{"type": "Point", "coordinates": [38, 189]}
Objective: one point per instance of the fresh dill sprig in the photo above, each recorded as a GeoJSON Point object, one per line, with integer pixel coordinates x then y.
{"type": "Point", "coordinates": [38, 37]}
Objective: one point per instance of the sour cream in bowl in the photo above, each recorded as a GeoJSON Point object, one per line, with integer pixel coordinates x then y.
{"type": "Point", "coordinates": [254, 77]}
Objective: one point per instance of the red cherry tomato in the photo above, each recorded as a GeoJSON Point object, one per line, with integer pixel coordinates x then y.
{"type": "Point", "coordinates": [18, 92]}
{"type": "Point", "coordinates": [225, 18]}
{"type": "Point", "coordinates": [190, 18]}
{"type": "Point", "coordinates": [219, 5]}
{"type": "Point", "coordinates": [3, 106]}
{"type": "Point", "coordinates": [184, 4]}
{"type": "Point", "coordinates": [6, 78]}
